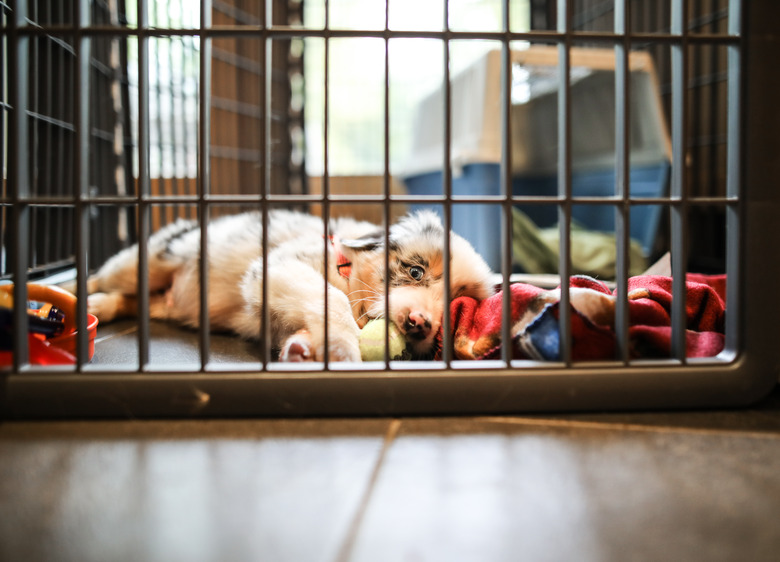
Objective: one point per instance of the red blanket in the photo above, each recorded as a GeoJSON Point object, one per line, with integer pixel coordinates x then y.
{"type": "Point", "coordinates": [535, 335]}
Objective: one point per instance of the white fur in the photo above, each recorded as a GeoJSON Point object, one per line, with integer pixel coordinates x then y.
{"type": "Point", "coordinates": [295, 278]}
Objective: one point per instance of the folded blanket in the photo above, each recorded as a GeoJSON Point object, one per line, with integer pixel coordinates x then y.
{"type": "Point", "coordinates": [535, 332]}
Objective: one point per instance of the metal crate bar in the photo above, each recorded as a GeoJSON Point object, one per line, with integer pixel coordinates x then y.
{"type": "Point", "coordinates": [386, 207]}
{"type": "Point", "coordinates": [144, 187]}
{"type": "Point", "coordinates": [221, 199]}
{"type": "Point", "coordinates": [204, 177]}
{"type": "Point", "coordinates": [678, 191]}
{"type": "Point", "coordinates": [325, 181]}
{"type": "Point", "coordinates": [564, 176]}
{"type": "Point", "coordinates": [287, 32]}
{"type": "Point", "coordinates": [265, 177]}
{"type": "Point", "coordinates": [622, 177]}
{"type": "Point", "coordinates": [734, 213]}
{"type": "Point", "coordinates": [81, 178]}
{"type": "Point", "coordinates": [446, 182]}
{"type": "Point", "coordinates": [506, 187]}
{"type": "Point", "coordinates": [19, 177]}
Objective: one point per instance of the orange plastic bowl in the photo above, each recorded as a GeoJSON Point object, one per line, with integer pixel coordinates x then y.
{"type": "Point", "coordinates": [66, 302]}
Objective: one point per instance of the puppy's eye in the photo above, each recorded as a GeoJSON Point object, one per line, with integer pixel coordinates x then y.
{"type": "Point", "coordinates": [416, 272]}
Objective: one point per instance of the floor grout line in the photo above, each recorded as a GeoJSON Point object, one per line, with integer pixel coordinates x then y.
{"type": "Point", "coordinates": [621, 426]}
{"type": "Point", "coordinates": [345, 552]}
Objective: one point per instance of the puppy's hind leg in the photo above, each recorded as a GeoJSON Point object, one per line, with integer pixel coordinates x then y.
{"type": "Point", "coordinates": [110, 306]}
{"type": "Point", "coordinates": [120, 273]}
{"type": "Point", "coordinates": [113, 289]}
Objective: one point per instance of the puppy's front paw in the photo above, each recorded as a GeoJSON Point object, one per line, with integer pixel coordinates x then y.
{"type": "Point", "coordinates": [297, 348]}
{"type": "Point", "coordinates": [302, 346]}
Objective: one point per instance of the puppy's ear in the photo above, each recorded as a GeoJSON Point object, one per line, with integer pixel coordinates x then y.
{"type": "Point", "coordinates": [367, 243]}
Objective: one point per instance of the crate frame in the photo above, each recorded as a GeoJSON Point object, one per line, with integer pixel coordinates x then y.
{"type": "Point", "coordinates": [745, 371]}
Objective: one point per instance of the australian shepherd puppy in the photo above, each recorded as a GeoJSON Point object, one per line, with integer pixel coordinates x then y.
{"type": "Point", "coordinates": [297, 279]}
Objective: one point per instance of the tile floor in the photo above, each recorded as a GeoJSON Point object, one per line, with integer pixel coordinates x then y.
{"type": "Point", "coordinates": [699, 485]}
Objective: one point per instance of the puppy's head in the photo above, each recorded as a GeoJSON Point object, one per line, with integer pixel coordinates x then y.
{"type": "Point", "coordinates": [416, 276]}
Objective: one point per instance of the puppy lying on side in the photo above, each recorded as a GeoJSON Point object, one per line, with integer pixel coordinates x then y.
{"type": "Point", "coordinates": [296, 280]}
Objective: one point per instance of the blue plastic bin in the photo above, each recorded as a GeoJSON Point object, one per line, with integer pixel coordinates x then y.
{"type": "Point", "coordinates": [480, 224]}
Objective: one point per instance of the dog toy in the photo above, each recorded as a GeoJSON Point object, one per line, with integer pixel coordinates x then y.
{"type": "Point", "coordinates": [372, 341]}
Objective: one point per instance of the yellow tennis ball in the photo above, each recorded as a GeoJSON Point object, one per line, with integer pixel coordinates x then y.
{"type": "Point", "coordinates": [372, 341]}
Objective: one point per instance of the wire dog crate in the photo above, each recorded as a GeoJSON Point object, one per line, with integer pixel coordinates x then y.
{"type": "Point", "coordinates": [119, 117]}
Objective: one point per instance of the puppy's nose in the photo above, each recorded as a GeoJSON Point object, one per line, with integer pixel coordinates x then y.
{"type": "Point", "coordinates": [417, 325]}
